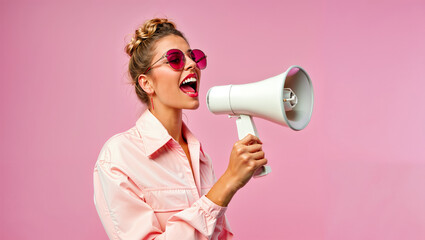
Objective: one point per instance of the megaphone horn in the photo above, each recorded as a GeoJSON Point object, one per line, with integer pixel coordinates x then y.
{"type": "Point", "coordinates": [286, 99]}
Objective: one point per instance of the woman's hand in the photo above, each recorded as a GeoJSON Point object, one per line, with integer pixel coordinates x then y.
{"type": "Point", "coordinates": [246, 157]}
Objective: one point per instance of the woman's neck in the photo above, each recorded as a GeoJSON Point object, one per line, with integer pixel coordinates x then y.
{"type": "Point", "coordinates": [171, 119]}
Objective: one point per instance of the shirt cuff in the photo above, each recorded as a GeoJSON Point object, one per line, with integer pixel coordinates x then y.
{"type": "Point", "coordinates": [211, 208]}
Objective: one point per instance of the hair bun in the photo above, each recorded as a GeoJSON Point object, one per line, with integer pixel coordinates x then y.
{"type": "Point", "coordinates": [148, 29]}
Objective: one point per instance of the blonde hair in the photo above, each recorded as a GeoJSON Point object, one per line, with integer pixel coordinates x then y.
{"type": "Point", "coordinates": [140, 49]}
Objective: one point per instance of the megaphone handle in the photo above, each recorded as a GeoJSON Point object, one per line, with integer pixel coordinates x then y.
{"type": "Point", "coordinates": [245, 126]}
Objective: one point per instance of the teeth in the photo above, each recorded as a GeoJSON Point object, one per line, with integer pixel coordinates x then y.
{"type": "Point", "coordinates": [189, 80]}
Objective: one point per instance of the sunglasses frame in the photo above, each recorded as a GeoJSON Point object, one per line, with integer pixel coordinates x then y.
{"type": "Point", "coordinates": [184, 59]}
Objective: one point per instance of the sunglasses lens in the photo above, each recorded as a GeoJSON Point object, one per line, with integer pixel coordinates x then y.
{"type": "Point", "coordinates": [176, 59]}
{"type": "Point", "coordinates": [199, 57]}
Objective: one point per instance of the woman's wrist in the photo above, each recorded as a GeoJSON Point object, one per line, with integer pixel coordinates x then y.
{"type": "Point", "coordinates": [222, 191]}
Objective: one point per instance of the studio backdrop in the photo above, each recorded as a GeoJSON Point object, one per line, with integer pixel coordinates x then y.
{"type": "Point", "coordinates": [356, 171]}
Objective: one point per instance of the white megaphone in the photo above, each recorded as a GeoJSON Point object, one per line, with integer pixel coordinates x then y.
{"type": "Point", "coordinates": [286, 99]}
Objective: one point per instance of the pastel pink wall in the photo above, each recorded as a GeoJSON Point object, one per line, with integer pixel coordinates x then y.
{"type": "Point", "coordinates": [356, 172]}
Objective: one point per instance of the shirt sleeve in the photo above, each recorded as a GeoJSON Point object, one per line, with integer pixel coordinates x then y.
{"type": "Point", "coordinates": [126, 215]}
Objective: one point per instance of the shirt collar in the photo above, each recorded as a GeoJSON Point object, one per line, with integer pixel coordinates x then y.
{"type": "Point", "coordinates": [192, 140]}
{"type": "Point", "coordinates": [155, 136]}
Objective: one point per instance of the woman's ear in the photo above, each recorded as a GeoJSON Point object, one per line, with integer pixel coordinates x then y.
{"type": "Point", "coordinates": [145, 84]}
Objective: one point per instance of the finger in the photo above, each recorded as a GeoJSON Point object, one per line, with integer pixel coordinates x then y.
{"type": "Point", "coordinates": [249, 139]}
{"type": "Point", "coordinates": [261, 162]}
{"type": "Point", "coordinates": [258, 155]}
{"type": "Point", "coordinates": [254, 148]}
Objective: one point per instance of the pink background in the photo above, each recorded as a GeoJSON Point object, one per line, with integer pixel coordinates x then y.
{"type": "Point", "coordinates": [356, 172]}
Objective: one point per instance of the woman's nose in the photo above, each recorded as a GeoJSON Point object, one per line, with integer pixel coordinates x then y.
{"type": "Point", "coordinates": [190, 63]}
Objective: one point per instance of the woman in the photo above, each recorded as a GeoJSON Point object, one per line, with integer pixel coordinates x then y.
{"type": "Point", "coordinates": [154, 180]}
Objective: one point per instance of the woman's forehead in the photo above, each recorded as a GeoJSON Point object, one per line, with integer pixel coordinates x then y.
{"type": "Point", "coordinates": [170, 42]}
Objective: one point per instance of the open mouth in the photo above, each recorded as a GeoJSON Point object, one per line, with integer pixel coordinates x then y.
{"type": "Point", "coordinates": [189, 85]}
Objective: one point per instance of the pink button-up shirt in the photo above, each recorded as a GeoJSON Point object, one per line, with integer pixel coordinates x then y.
{"type": "Point", "coordinates": [144, 187]}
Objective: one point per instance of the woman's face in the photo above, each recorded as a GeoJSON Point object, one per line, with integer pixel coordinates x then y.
{"type": "Point", "coordinates": [169, 92]}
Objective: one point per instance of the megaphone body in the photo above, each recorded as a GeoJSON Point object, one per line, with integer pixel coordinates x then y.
{"type": "Point", "coordinates": [286, 99]}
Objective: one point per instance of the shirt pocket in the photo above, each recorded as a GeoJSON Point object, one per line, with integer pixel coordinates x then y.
{"type": "Point", "coordinates": [167, 200]}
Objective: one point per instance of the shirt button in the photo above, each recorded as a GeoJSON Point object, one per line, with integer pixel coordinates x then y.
{"type": "Point", "coordinates": [181, 175]}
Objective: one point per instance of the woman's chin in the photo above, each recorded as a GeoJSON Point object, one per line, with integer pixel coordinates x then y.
{"type": "Point", "coordinates": [193, 106]}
